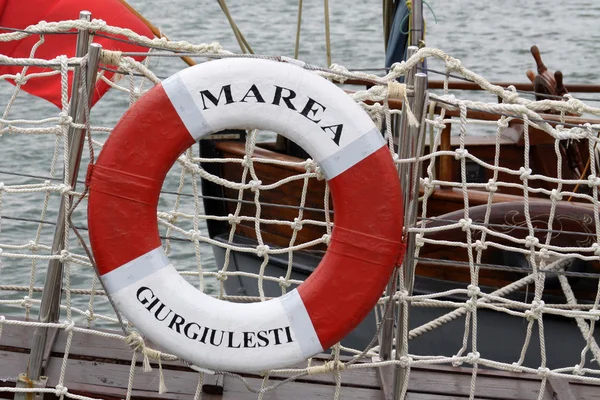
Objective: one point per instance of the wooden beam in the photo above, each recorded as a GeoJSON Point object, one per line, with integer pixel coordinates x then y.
{"type": "Point", "coordinates": [472, 86]}
{"type": "Point", "coordinates": [560, 388]}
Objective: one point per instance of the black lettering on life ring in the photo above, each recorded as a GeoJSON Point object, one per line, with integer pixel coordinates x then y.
{"type": "Point", "coordinates": [209, 336]}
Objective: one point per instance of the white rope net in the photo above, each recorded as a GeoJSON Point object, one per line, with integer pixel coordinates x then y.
{"type": "Point", "coordinates": [35, 153]}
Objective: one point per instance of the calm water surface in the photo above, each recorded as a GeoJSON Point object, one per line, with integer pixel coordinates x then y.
{"type": "Point", "coordinates": [491, 38]}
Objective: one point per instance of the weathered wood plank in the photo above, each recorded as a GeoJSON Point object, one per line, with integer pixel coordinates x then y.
{"type": "Point", "coordinates": [109, 350]}
{"type": "Point", "coordinates": [560, 388]}
{"type": "Point", "coordinates": [585, 392]}
{"type": "Point", "coordinates": [235, 390]}
{"type": "Point", "coordinates": [110, 381]}
{"type": "Point", "coordinates": [112, 370]}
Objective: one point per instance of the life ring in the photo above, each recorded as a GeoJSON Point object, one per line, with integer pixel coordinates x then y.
{"type": "Point", "coordinates": [125, 184]}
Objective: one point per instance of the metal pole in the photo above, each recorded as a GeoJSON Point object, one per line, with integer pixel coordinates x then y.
{"type": "Point", "coordinates": [415, 144]}
{"type": "Point", "coordinates": [416, 26]}
{"type": "Point", "coordinates": [417, 135]}
{"type": "Point", "coordinates": [50, 304]}
{"type": "Point", "coordinates": [387, 324]}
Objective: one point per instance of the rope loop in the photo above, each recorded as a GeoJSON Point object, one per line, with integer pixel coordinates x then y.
{"type": "Point", "coordinates": [330, 366]}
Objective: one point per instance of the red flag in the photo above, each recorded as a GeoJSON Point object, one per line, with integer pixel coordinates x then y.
{"type": "Point", "coordinates": [23, 13]}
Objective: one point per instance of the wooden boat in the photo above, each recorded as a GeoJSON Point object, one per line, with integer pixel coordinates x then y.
{"type": "Point", "coordinates": [438, 268]}
{"type": "Point", "coordinates": [101, 364]}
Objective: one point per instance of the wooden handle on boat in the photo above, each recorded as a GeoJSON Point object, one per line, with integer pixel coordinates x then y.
{"type": "Point", "coordinates": [531, 75]}
{"type": "Point", "coordinates": [535, 52]}
{"type": "Point", "coordinates": [561, 90]}
{"type": "Point", "coordinates": [154, 30]}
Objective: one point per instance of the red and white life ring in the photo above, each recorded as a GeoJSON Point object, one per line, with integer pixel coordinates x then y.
{"type": "Point", "coordinates": [127, 178]}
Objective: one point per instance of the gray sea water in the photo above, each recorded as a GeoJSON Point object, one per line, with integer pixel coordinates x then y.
{"type": "Point", "coordinates": [490, 37]}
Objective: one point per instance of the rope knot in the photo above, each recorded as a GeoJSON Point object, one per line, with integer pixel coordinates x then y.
{"type": "Point", "coordinates": [221, 276]}
{"type": "Point", "coordinates": [438, 122]}
{"type": "Point", "coordinates": [510, 97]}
{"type": "Point", "coordinates": [531, 241]}
{"type": "Point", "coordinates": [310, 165]}
{"type": "Point", "coordinates": [247, 161]}
{"type": "Point", "coordinates": [233, 219]}
{"type": "Point", "coordinates": [137, 93]}
{"type": "Point", "coordinates": [63, 189]}
{"type": "Point", "coordinates": [401, 295]}
{"type": "Point", "coordinates": [426, 183]}
{"type": "Point", "coordinates": [471, 304]}
{"type": "Point", "coordinates": [64, 118]}
{"type": "Point", "coordinates": [460, 153]}
{"type": "Point", "coordinates": [320, 174]}
{"type": "Point", "coordinates": [596, 249]}
{"type": "Point", "coordinates": [326, 239]}
{"type": "Point", "coordinates": [89, 315]}
{"type": "Point", "coordinates": [465, 224]}
{"type": "Point", "coordinates": [194, 235]}
{"type": "Point", "coordinates": [396, 90]}
{"type": "Point", "coordinates": [543, 371]}
{"type": "Point", "coordinates": [453, 64]}
{"type": "Point", "coordinates": [136, 342]}
{"type": "Point", "coordinates": [473, 290]}
{"type": "Point", "coordinates": [26, 302]}
{"type": "Point", "coordinates": [576, 105]}
{"type": "Point", "coordinates": [593, 180]}
{"type": "Point", "coordinates": [61, 390]}
{"type": "Point", "coordinates": [297, 224]}
{"type": "Point", "coordinates": [479, 245]}
{"type": "Point", "coordinates": [331, 366]}
{"type": "Point", "coordinates": [456, 361]}
{"type": "Point", "coordinates": [20, 79]}
{"type": "Point", "coordinates": [262, 250]}
{"type": "Point", "coordinates": [491, 186]}
{"type": "Point", "coordinates": [398, 69]}
{"type": "Point", "coordinates": [556, 195]}
{"type": "Point", "coordinates": [577, 370]}
{"type": "Point", "coordinates": [473, 357]}
{"type": "Point", "coordinates": [502, 123]}
{"type": "Point", "coordinates": [524, 173]}
{"type": "Point", "coordinates": [94, 25]}
{"type": "Point", "coordinates": [405, 361]}
{"type": "Point", "coordinates": [284, 283]}
{"type": "Point", "coordinates": [419, 242]}
{"type": "Point", "coordinates": [69, 325]}
{"type": "Point", "coordinates": [535, 312]}
{"type": "Point", "coordinates": [254, 185]}
{"type": "Point", "coordinates": [65, 256]}
{"type": "Point", "coordinates": [341, 70]}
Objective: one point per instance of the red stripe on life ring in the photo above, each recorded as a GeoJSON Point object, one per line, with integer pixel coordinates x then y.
{"type": "Point", "coordinates": [146, 142]}
{"type": "Point", "coordinates": [368, 215]}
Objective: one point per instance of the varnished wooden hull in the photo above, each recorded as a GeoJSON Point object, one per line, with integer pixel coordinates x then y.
{"type": "Point", "coordinates": [432, 274]}
{"type": "Point", "coordinates": [442, 201]}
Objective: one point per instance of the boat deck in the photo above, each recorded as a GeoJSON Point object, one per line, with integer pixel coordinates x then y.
{"type": "Point", "coordinates": [99, 367]}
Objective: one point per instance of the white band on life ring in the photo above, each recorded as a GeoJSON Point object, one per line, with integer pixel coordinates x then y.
{"type": "Point", "coordinates": [245, 93]}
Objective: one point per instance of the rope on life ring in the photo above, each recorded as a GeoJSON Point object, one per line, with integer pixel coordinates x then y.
{"type": "Point", "coordinates": [125, 184]}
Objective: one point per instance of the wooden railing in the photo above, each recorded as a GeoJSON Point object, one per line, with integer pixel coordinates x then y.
{"type": "Point", "coordinates": [465, 85]}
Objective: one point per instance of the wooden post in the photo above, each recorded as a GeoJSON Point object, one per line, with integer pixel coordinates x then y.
{"type": "Point", "coordinates": [445, 164]}
{"type": "Point", "coordinates": [50, 303]}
